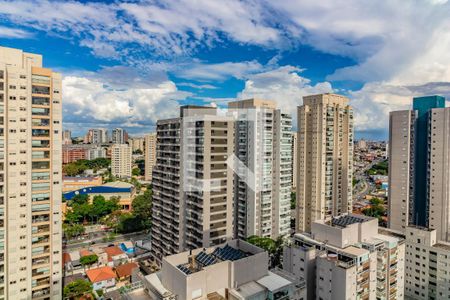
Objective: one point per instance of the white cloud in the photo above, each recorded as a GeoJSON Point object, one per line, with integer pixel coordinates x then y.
{"type": "Point", "coordinates": [14, 33]}
{"type": "Point", "coordinates": [285, 85]}
{"type": "Point", "coordinates": [220, 71]}
{"type": "Point", "coordinates": [197, 86]}
{"type": "Point", "coordinates": [90, 100]}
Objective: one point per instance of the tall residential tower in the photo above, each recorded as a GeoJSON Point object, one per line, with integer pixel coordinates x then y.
{"type": "Point", "coordinates": [30, 177]}
{"type": "Point", "coordinates": [419, 164]}
{"type": "Point", "coordinates": [325, 159]}
{"type": "Point", "coordinates": [192, 183]}
{"type": "Point", "coordinates": [263, 184]}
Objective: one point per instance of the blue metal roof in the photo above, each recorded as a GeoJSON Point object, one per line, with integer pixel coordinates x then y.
{"type": "Point", "coordinates": [96, 190]}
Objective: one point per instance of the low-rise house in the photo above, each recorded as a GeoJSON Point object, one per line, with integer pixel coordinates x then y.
{"type": "Point", "coordinates": [102, 278]}
{"type": "Point", "coordinates": [115, 256]}
{"type": "Point", "coordinates": [125, 271]}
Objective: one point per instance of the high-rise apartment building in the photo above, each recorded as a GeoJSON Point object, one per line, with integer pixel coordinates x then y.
{"type": "Point", "coordinates": [325, 159]}
{"type": "Point", "coordinates": [419, 164]}
{"type": "Point", "coordinates": [263, 182]}
{"type": "Point", "coordinates": [294, 160]}
{"type": "Point", "coordinates": [119, 136]}
{"type": "Point", "coordinates": [96, 152]}
{"type": "Point", "coordinates": [137, 144]}
{"type": "Point", "coordinates": [121, 160]}
{"type": "Point", "coordinates": [192, 183]}
{"type": "Point", "coordinates": [67, 137]}
{"type": "Point", "coordinates": [150, 155]}
{"type": "Point", "coordinates": [348, 257]}
{"type": "Point", "coordinates": [427, 265]}
{"type": "Point", "coordinates": [96, 136]}
{"type": "Point", "coordinates": [30, 177]}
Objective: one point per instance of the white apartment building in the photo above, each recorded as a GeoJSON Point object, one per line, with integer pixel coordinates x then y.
{"type": "Point", "coordinates": [235, 270]}
{"type": "Point", "coordinates": [119, 136]}
{"type": "Point", "coordinates": [419, 164]}
{"type": "Point", "coordinates": [96, 152]}
{"type": "Point", "coordinates": [427, 266]}
{"type": "Point", "coordinates": [121, 161]}
{"type": "Point", "coordinates": [30, 177]}
{"type": "Point", "coordinates": [150, 155]}
{"type": "Point", "coordinates": [264, 181]}
{"type": "Point", "coordinates": [67, 137]}
{"type": "Point", "coordinates": [96, 136]}
{"type": "Point", "coordinates": [348, 257]}
{"type": "Point", "coordinates": [192, 184]}
{"type": "Point", "coordinates": [325, 159]}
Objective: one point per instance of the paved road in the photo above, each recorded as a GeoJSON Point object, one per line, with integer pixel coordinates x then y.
{"type": "Point", "coordinates": [364, 186]}
{"type": "Point", "coordinates": [100, 243]}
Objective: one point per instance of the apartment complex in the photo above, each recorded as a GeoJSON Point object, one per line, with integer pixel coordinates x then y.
{"type": "Point", "coordinates": [427, 265]}
{"type": "Point", "coordinates": [30, 177]}
{"type": "Point", "coordinates": [137, 144]}
{"type": "Point", "coordinates": [119, 136]}
{"type": "Point", "coordinates": [150, 155]}
{"type": "Point", "coordinates": [348, 257]}
{"type": "Point", "coordinates": [67, 137]}
{"type": "Point", "coordinates": [234, 270]}
{"type": "Point", "coordinates": [192, 184]}
{"type": "Point", "coordinates": [325, 159]}
{"type": "Point", "coordinates": [96, 136]}
{"type": "Point", "coordinates": [419, 164]}
{"type": "Point", "coordinates": [263, 181]}
{"type": "Point", "coordinates": [294, 160]}
{"type": "Point", "coordinates": [121, 161]}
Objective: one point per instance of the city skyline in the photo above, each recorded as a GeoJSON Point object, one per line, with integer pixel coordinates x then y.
{"type": "Point", "coordinates": [121, 70]}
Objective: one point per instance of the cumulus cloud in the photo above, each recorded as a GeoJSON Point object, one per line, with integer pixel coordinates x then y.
{"type": "Point", "coordinates": [285, 85]}
{"type": "Point", "coordinates": [219, 71]}
{"type": "Point", "coordinates": [95, 100]}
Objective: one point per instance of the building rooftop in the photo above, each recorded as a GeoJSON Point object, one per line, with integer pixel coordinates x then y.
{"type": "Point", "coordinates": [126, 269]}
{"type": "Point", "coordinates": [273, 282]}
{"type": "Point", "coordinates": [345, 220]}
{"type": "Point", "coordinates": [100, 274]}
{"type": "Point", "coordinates": [114, 187]}
{"type": "Point", "coordinates": [442, 245]}
{"type": "Point", "coordinates": [113, 251]}
{"type": "Point", "coordinates": [219, 254]}
{"type": "Point", "coordinates": [249, 289]}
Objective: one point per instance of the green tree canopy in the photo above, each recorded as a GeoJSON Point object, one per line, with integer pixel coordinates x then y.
{"type": "Point", "coordinates": [77, 289]}
{"type": "Point", "coordinates": [88, 260]}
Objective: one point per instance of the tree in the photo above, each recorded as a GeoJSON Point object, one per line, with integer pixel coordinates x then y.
{"type": "Point", "coordinates": [79, 199]}
{"type": "Point", "coordinates": [293, 200]}
{"type": "Point", "coordinates": [88, 260]}
{"type": "Point", "coordinates": [72, 169]}
{"type": "Point", "coordinates": [273, 247]}
{"type": "Point", "coordinates": [136, 172]}
{"type": "Point", "coordinates": [142, 208]}
{"type": "Point", "coordinates": [129, 223]}
{"type": "Point", "coordinates": [77, 288]}
{"type": "Point", "coordinates": [73, 230]}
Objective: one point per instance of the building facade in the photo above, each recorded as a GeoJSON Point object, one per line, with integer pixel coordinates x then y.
{"type": "Point", "coordinates": [192, 184]}
{"type": "Point", "coordinates": [67, 137]}
{"type": "Point", "coordinates": [150, 155]}
{"type": "Point", "coordinates": [427, 265]}
{"type": "Point", "coordinates": [96, 152]}
{"type": "Point", "coordinates": [263, 182]}
{"type": "Point", "coordinates": [294, 160]}
{"type": "Point", "coordinates": [30, 164]}
{"type": "Point", "coordinates": [119, 136]}
{"type": "Point", "coordinates": [137, 144]}
{"type": "Point", "coordinates": [96, 136]}
{"type": "Point", "coordinates": [325, 159]}
{"type": "Point", "coordinates": [419, 164]}
{"type": "Point", "coordinates": [121, 162]}
{"type": "Point", "coordinates": [348, 257]}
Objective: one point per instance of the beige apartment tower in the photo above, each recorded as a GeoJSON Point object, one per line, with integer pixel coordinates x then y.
{"type": "Point", "coordinates": [324, 158]}
{"type": "Point", "coordinates": [30, 177]}
{"type": "Point", "coordinates": [121, 160]}
{"type": "Point", "coordinates": [192, 183]}
{"type": "Point", "coordinates": [150, 154]}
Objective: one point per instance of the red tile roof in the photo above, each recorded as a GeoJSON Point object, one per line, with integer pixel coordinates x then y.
{"type": "Point", "coordinates": [126, 269]}
{"type": "Point", "coordinates": [85, 252]}
{"type": "Point", "coordinates": [66, 257]}
{"type": "Point", "coordinates": [113, 251]}
{"type": "Point", "coordinates": [100, 274]}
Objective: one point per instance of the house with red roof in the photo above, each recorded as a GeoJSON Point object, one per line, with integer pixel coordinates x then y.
{"type": "Point", "coordinates": [125, 271]}
{"type": "Point", "coordinates": [101, 278]}
{"type": "Point", "coordinates": [115, 256]}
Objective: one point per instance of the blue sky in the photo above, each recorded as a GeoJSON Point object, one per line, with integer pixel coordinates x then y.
{"type": "Point", "coordinates": [130, 63]}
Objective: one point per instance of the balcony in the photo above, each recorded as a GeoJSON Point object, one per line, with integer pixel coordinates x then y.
{"type": "Point", "coordinates": [40, 293]}
{"type": "Point", "coordinates": [37, 111]}
{"type": "Point", "coordinates": [40, 219]}
{"type": "Point", "coordinates": [40, 122]}
{"type": "Point", "coordinates": [40, 101]}
{"type": "Point", "coordinates": [43, 90]}
{"type": "Point", "coordinates": [40, 165]}
{"type": "Point", "coordinates": [40, 250]}
{"type": "Point", "coordinates": [40, 133]}
{"type": "Point", "coordinates": [40, 240]}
